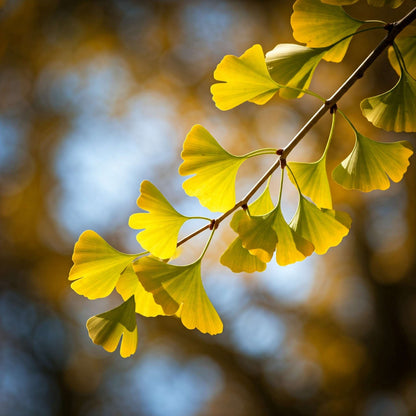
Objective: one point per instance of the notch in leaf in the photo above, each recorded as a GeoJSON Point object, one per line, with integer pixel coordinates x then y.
{"type": "Point", "coordinates": [245, 78]}
{"type": "Point", "coordinates": [319, 25]}
{"type": "Point", "coordinates": [97, 266]}
{"type": "Point", "coordinates": [182, 285]}
{"type": "Point", "coordinates": [107, 328]}
{"type": "Point", "coordinates": [160, 225]}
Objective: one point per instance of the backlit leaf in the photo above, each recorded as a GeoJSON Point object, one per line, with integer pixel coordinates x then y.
{"type": "Point", "coordinates": [215, 170]}
{"type": "Point", "coordinates": [160, 225]}
{"type": "Point", "coordinates": [97, 266]}
{"type": "Point", "coordinates": [381, 3]}
{"type": "Point", "coordinates": [371, 163]}
{"type": "Point", "coordinates": [395, 109]}
{"type": "Point", "coordinates": [293, 65]}
{"type": "Point", "coordinates": [321, 227]}
{"type": "Point", "coordinates": [406, 43]}
{"type": "Point", "coordinates": [318, 25]}
{"type": "Point", "coordinates": [339, 2]}
{"type": "Point", "coordinates": [183, 284]}
{"type": "Point", "coordinates": [245, 79]}
{"type": "Point", "coordinates": [107, 328]}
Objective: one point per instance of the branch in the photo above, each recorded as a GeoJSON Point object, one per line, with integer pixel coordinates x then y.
{"type": "Point", "coordinates": [393, 30]}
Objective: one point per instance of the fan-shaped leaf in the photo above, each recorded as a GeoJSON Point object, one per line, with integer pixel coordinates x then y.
{"type": "Point", "coordinates": [129, 285]}
{"type": "Point", "coordinates": [395, 109]}
{"type": "Point", "coordinates": [97, 266]}
{"type": "Point", "coordinates": [160, 225]}
{"type": "Point", "coordinates": [319, 25]}
{"type": "Point", "coordinates": [371, 163]}
{"type": "Point", "coordinates": [183, 284]}
{"type": "Point", "coordinates": [245, 79]}
{"type": "Point", "coordinates": [323, 228]}
{"type": "Point", "coordinates": [293, 65]}
{"type": "Point", "coordinates": [107, 328]}
{"type": "Point", "coordinates": [407, 46]}
{"type": "Point", "coordinates": [381, 3]}
{"type": "Point", "coordinates": [215, 170]}
{"type": "Point", "coordinates": [339, 2]}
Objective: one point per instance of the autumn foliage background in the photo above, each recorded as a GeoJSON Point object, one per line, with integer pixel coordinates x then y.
{"type": "Point", "coordinates": [96, 96]}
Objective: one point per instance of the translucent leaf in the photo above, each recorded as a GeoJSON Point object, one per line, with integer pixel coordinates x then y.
{"type": "Point", "coordinates": [160, 225]}
{"type": "Point", "coordinates": [129, 285]}
{"type": "Point", "coordinates": [290, 247]}
{"type": "Point", "coordinates": [97, 266]}
{"type": "Point", "coordinates": [236, 257]}
{"type": "Point", "coordinates": [323, 228]}
{"type": "Point", "coordinates": [245, 79]}
{"type": "Point", "coordinates": [319, 25]}
{"type": "Point", "coordinates": [215, 170]}
{"type": "Point", "coordinates": [183, 284]}
{"type": "Point", "coordinates": [371, 163]}
{"type": "Point", "coordinates": [339, 2]}
{"type": "Point", "coordinates": [395, 109]}
{"type": "Point", "coordinates": [313, 181]}
{"type": "Point", "coordinates": [293, 65]}
{"type": "Point", "coordinates": [407, 47]}
{"type": "Point", "coordinates": [107, 328]}
{"type": "Point", "coordinates": [381, 3]}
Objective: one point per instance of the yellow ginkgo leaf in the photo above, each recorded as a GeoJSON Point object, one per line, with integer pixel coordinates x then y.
{"type": "Point", "coordinates": [313, 181]}
{"type": "Point", "coordinates": [160, 225]}
{"type": "Point", "coordinates": [245, 78]}
{"type": "Point", "coordinates": [290, 247]}
{"type": "Point", "coordinates": [129, 285]}
{"type": "Point", "coordinates": [319, 25]}
{"type": "Point", "coordinates": [407, 46]}
{"type": "Point", "coordinates": [97, 266]}
{"type": "Point", "coordinates": [339, 2]}
{"type": "Point", "coordinates": [293, 65]}
{"type": "Point", "coordinates": [107, 328]}
{"type": "Point", "coordinates": [183, 284]}
{"type": "Point", "coordinates": [323, 228]}
{"type": "Point", "coordinates": [395, 109]}
{"type": "Point", "coordinates": [371, 163]}
{"type": "Point", "coordinates": [381, 3]}
{"type": "Point", "coordinates": [215, 170]}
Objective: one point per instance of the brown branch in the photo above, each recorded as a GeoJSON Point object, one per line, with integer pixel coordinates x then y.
{"type": "Point", "coordinates": [393, 30]}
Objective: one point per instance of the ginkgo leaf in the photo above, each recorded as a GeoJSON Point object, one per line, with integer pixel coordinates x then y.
{"type": "Point", "coordinates": [318, 25]}
{"type": "Point", "coordinates": [313, 181]}
{"type": "Point", "coordinates": [290, 247]}
{"type": "Point", "coordinates": [293, 65]}
{"type": "Point", "coordinates": [160, 225]}
{"type": "Point", "coordinates": [183, 284]}
{"type": "Point", "coordinates": [395, 109]}
{"type": "Point", "coordinates": [339, 2]}
{"type": "Point", "coordinates": [407, 47]}
{"type": "Point", "coordinates": [97, 266]}
{"type": "Point", "coordinates": [321, 227]}
{"type": "Point", "coordinates": [129, 285]}
{"type": "Point", "coordinates": [107, 328]}
{"type": "Point", "coordinates": [245, 79]}
{"type": "Point", "coordinates": [236, 257]}
{"type": "Point", "coordinates": [371, 163]}
{"type": "Point", "coordinates": [215, 170]}
{"type": "Point", "coordinates": [381, 3]}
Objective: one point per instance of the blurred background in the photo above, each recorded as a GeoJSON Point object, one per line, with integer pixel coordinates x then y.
{"type": "Point", "coordinates": [98, 95]}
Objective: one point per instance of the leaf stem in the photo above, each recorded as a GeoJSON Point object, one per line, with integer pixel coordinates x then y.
{"type": "Point", "coordinates": [207, 244]}
{"type": "Point", "coordinates": [259, 152]}
{"type": "Point", "coordinates": [281, 188]}
{"type": "Point", "coordinates": [331, 133]}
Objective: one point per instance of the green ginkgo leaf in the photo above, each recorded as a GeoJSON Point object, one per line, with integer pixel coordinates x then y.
{"type": "Point", "coordinates": [323, 228]}
{"type": "Point", "coordinates": [245, 79]}
{"type": "Point", "coordinates": [215, 170]}
{"type": "Point", "coordinates": [183, 284]}
{"type": "Point", "coordinates": [160, 225]}
{"type": "Point", "coordinates": [381, 3]}
{"type": "Point", "coordinates": [407, 46]}
{"type": "Point", "coordinates": [339, 2]}
{"type": "Point", "coordinates": [236, 257]}
{"type": "Point", "coordinates": [313, 181]}
{"type": "Point", "coordinates": [129, 285]}
{"type": "Point", "coordinates": [395, 109]}
{"type": "Point", "coordinates": [290, 247]}
{"type": "Point", "coordinates": [107, 328]}
{"type": "Point", "coordinates": [371, 163]}
{"type": "Point", "coordinates": [97, 266]}
{"type": "Point", "coordinates": [293, 65]}
{"type": "Point", "coordinates": [319, 25]}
